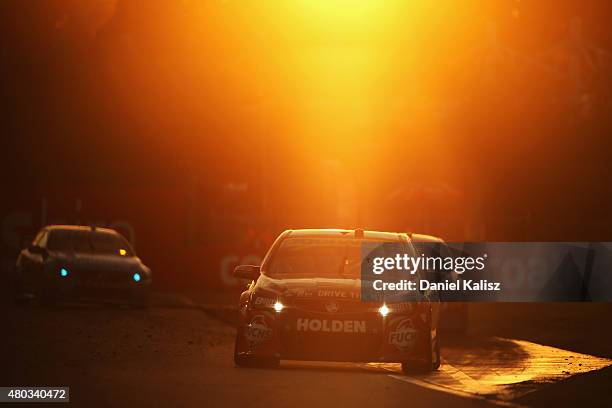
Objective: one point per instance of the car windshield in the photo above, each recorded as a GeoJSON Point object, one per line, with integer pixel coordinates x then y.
{"type": "Point", "coordinates": [322, 257]}
{"type": "Point", "coordinates": [96, 242]}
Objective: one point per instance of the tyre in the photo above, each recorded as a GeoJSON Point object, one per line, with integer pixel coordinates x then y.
{"type": "Point", "coordinates": [430, 359]}
{"type": "Point", "coordinates": [47, 298]}
{"type": "Point", "coordinates": [250, 361]}
{"type": "Point", "coordinates": [19, 295]}
{"type": "Point", "coordinates": [139, 300]}
{"type": "Point", "coordinates": [426, 364]}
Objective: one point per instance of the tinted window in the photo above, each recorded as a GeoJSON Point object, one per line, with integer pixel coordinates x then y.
{"type": "Point", "coordinates": [105, 243]}
{"type": "Point", "coordinates": [320, 257]}
{"type": "Point", "coordinates": [97, 242]}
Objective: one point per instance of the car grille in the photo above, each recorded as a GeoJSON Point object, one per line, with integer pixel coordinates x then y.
{"type": "Point", "coordinates": [332, 306]}
{"type": "Point", "coordinates": [331, 345]}
{"type": "Point", "coordinates": [104, 277]}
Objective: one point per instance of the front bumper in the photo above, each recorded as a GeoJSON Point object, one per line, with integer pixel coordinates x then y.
{"type": "Point", "coordinates": [96, 285]}
{"type": "Point", "coordinates": [364, 337]}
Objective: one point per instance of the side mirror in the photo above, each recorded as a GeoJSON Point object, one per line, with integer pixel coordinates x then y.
{"type": "Point", "coordinates": [250, 272]}
{"type": "Point", "coordinates": [35, 249]}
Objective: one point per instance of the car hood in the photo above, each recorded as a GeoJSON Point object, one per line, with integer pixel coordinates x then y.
{"type": "Point", "coordinates": [325, 288]}
{"type": "Point", "coordinates": [97, 262]}
{"type": "Point", "coordinates": [311, 287]}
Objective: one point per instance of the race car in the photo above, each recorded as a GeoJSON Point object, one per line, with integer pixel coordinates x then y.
{"type": "Point", "coordinates": [304, 303]}
{"type": "Point", "coordinates": [66, 262]}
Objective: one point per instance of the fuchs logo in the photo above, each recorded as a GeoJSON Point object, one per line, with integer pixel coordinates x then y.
{"type": "Point", "coordinates": [404, 336]}
{"type": "Point", "coordinates": [258, 330]}
{"type": "Point", "coordinates": [331, 307]}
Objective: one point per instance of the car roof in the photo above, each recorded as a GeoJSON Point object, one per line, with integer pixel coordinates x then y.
{"type": "Point", "coordinates": [79, 228]}
{"type": "Point", "coordinates": [346, 233]}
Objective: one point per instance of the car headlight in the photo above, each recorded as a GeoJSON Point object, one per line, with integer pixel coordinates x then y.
{"type": "Point", "coordinates": [383, 310]}
{"type": "Point", "coordinates": [64, 272]}
{"type": "Point", "coordinates": [401, 307]}
{"type": "Point", "coordinates": [266, 300]}
{"type": "Point", "coordinates": [262, 298]}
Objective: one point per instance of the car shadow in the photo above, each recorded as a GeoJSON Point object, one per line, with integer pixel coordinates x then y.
{"type": "Point", "coordinates": [326, 367]}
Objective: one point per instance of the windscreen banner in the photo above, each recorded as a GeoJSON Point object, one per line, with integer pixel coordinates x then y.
{"type": "Point", "coordinates": [487, 271]}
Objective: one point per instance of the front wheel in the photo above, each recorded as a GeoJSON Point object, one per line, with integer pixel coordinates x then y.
{"type": "Point", "coordinates": [430, 359]}
{"type": "Point", "coordinates": [19, 296]}
{"type": "Point", "coordinates": [427, 364]}
{"type": "Point", "coordinates": [47, 297]}
{"type": "Point", "coordinates": [251, 361]}
{"type": "Point", "coordinates": [139, 300]}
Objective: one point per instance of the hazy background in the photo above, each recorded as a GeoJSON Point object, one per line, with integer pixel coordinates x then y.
{"type": "Point", "coordinates": [203, 128]}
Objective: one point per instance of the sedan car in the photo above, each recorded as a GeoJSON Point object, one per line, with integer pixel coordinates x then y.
{"type": "Point", "coordinates": [77, 262]}
{"type": "Point", "coordinates": [304, 303]}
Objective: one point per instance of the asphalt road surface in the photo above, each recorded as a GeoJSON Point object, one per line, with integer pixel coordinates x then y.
{"type": "Point", "coordinates": [175, 354]}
